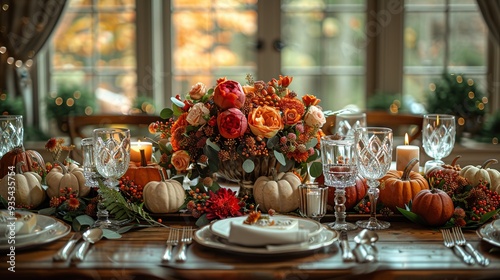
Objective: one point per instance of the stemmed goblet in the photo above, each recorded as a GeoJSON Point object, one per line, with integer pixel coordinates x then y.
{"type": "Point", "coordinates": [438, 137]}
{"type": "Point", "coordinates": [373, 158]}
{"type": "Point", "coordinates": [347, 123]}
{"type": "Point", "coordinates": [112, 157]}
{"type": "Point", "coordinates": [340, 171]}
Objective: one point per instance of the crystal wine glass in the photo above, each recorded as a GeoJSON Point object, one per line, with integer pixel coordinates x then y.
{"type": "Point", "coordinates": [340, 171]}
{"type": "Point", "coordinates": [347, 123]}
{"type": "Point", "coordinates": [438, 137]}
{"type": "Point", "coordinates": [374, 156]}
{"type": "Point", "coordinates": [11, 132]}
{"type": "Point", "coordinates": [112, 157]}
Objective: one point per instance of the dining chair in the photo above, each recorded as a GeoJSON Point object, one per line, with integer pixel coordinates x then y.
{"type": "Point", "coordinates": [81, 126]}
{"type": "Point", "coordinates": [399, 123]}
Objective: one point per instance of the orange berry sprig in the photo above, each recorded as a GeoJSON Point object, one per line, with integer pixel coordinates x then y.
{"type": "Point", "coordinates": [131, 191]}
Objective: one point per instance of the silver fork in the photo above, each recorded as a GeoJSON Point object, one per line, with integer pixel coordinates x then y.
{"type": "Point", "coordinates": [187, 238]}
{"type": "Point", "coordinates": [460, 240]}
{"type": "Point", "coordinates": [172, 240]}
{"type": "Point", "coordinates": [450, 243]}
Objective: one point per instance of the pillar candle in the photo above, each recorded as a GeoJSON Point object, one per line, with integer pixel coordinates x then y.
{"type": "Point", "coordinates": [135, 151]}
{"type": "Point", "coordinates": [405, 153]}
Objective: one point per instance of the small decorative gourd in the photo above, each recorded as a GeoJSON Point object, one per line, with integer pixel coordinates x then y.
{"type": "Point", "coordinates": [476, 173]}
{"type": "Point", "coordinates": [279, 192]}
{"type": "Point", "coordinates": [26, 188]}
{"type": "Point", "coordinates": [32, 159]}
{"type": "Point", "coordinates": [165, 196]}
{"type": "Point", "coordinates": [61, 177]}
{"type": "Point", "coordinates": [353, 194]}
{"type": "Point", "coordinates": [397, 188]}
{"type": "Point", "coordinates": [434, 206]}
{"type": "Point", "coordinates": [143, 173]}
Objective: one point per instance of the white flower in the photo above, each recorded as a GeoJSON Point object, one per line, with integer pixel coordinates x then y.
{"type": "Point", "coordinates": [197, 114]}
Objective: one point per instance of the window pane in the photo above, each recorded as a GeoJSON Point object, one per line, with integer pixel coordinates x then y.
{"type": "Point", "coordinates": [73, 41]}
{"type": "Point", "coordinates": [212, 39]}
{"type": "Point", "coordinates": [424, 37]}
{"type": "Point", "coordinates": [116, 39]}
{"type": "Point", "coordinates": [469, 36]}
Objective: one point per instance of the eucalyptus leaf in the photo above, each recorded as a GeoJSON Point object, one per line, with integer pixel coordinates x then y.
{"type": "Point", "coordinates": [213, 145]}
{"type": "Point", "coordinates": [313, 142]}
{"type": "Point", "coordinates": [316, 169]}
{"type": "Point", "coordinates": [202, 221]}
{"type": "Point", "coordinates": [248, 165]}
{"type": "Point", "coordinates": [109, 234]}
{"type": "Point", "coordinates": [47, 211]}
{"type": "Point", "coordinates": [280, 157]}
{"type": "Point", "coordinates": [166, 113]}
{"type": "Point", "coordinates": [177, 102]}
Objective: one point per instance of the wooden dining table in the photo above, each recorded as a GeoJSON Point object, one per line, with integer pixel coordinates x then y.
{"type": "Point", "coordinates": [406, 251]}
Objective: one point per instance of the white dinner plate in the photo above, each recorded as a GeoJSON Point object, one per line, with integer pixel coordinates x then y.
{"type": "Point", "coordinates": [47, 230]}
{"type": "Point", "coordinates": [325, 237]}
{"type": "Point", "coordinates": [221, 227]}
{"type": "Point", "coordinates": [43, 224]}
{"type": "Point", "coordinates": [489, 233]}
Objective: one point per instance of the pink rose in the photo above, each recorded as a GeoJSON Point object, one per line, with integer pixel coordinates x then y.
{"type": "Point", "coordinates": [197, 91]}
{"type": "Point", "coordinates": [265, 121]}
{"type": "Point", "coordinates": [314, 117]}
{"type": "Point", "coordinates": [197, 114]}
{"type": "Point", "coordinates": [180, 160]}
{"type": "Point", "coordinates": [232, 123]}
{"type": "Point", "coordinates": [229, 94]}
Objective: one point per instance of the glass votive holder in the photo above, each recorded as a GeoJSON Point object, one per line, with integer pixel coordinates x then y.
{"type": "Point", "coordinates": [313, 200]}
{"type": "Point", "coordinates": [11, 133]}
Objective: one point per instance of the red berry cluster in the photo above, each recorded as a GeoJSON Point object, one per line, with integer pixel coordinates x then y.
{"type": "Point", "coordinates": [363, 207]}
{"type": "Point", "coordinates": [131, 191]}
{"type": "Point", "coordinates": [482, 200]}
{"type": "Point", "coordinates": [197, 203]}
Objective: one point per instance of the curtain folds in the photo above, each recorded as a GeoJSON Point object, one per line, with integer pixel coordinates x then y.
{"type": "Point", "coordinates": [490, 9]}
{"type": "Point", "coordinates": [25, 27]}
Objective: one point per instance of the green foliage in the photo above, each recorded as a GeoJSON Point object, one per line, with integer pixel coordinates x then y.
{"type": "Point", "coordinates": [11, 105]}
{"type": "Point", "coordinates": [82, 99]}
{"type": "Point", "coordinates": [458, 95]}
{"type": "Point", "coordinates": [491, 128]}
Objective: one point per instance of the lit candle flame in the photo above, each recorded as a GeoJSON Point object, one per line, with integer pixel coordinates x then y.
{"type": "Point", "coordinates": [437, 120]}
{"type": "Point", "coordinates": [407, 141]}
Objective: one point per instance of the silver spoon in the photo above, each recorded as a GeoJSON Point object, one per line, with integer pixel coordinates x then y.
{"type": "Point", "coordinates": [90, 236]}
{"type": "Point", "coordinates": [365, 250]}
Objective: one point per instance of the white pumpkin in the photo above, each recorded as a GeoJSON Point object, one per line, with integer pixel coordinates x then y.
{"type": "Point", "coordinates": [61, 177]}
{"type": "Point", "coordinates": [163, 196]}
{"type": "Point", "coordinates": [279, 192]}
{"type": "Point", "coordinates": [476, 173]}
{"type": "Point", "coordinates": [28, 191]}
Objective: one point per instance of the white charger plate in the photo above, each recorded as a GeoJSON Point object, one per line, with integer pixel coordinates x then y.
{"type": "Point", "coordinates": [221, 227]}
{"type": "Point", "coordinates": [46, 230]}
{"type": "Point", "coordinates": [490, 232]}
{"type": "Point", "coordinates": [205, 237]}
{"type": "Point", "coordinates": [43, 224]}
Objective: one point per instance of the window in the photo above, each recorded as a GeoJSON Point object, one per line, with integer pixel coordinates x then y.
{"type": "Point", "coordinates": [442, 36]}
{"type": "Point", "coordinates": [94, 56]}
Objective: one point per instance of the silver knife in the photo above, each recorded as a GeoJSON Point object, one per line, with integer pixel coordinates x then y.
{"type": "Point", "coordinates": [344, 245]}
{"type": "Point", "coordinates": [64, 252]}
{"type": "Point", "coordinates": [479, 257]}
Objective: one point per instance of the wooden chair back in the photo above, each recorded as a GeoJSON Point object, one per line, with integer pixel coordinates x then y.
{"type": "Point", "coordinates": [399, 123]}
{"type": "Point", "coordinates": [77, 124]}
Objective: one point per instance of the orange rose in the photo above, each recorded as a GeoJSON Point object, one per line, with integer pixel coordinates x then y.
{"type": "Point", "coordinates": [265, 121]}
{"type": "Point", "coordinates": [310, 100]}
{"type": "Point", "coordinates": [232, 123]}
{"type": "Point", "coordinates": [291, 116]}
{"type": "Point", "coordinates": [197, 91]}
{"type": "Point", "coordinates": [229, 94]}
{"type": "Point", "coordinates": [180, 160]}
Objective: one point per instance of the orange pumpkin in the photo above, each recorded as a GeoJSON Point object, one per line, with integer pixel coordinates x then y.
{"type": "Point", "coordinates": [397, 188]}
{"type": "Point", "coordinates": [141, 175]}
{"type": "Point", "coordinates": [353, 194]}
{"type": "Point", "coordinates": [33, 161]}
{"type": "Point", "coordinates": [434, 206]}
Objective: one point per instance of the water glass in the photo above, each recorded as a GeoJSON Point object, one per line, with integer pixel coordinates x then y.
{"type": "Point", "coordinates": [11, 133]}
{"type": "Point", "coordinates": [438, 137]}
{"type": "Point", "coordinates": [347, 123]}
{"type": "Point", "coordinates": [89, 170]}
{"type": "Point", "coordinates": [313, 200]}
{"type": "Point", "coordinates": [338, 158]}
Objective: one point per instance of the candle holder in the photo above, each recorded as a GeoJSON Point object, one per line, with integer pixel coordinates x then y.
{"type": "Point", "coordinates": [313, 200]}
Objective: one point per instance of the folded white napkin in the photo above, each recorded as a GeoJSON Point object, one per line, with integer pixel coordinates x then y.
{"type": "Point", "coordinates": [254, 236]}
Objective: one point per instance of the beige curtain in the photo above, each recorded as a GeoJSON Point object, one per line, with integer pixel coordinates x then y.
{"type": "Point", "coordinates": [491, 14]}
{"type": "Point", "coordinates": [25, 27]}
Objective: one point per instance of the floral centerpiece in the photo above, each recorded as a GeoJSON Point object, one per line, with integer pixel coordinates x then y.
{"type": "Point", "coordinates": [240, 132]}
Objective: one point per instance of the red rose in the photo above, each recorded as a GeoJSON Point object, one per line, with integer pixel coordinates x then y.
{"type": "Point", "coordinates": [232, 123]}
{"type": "Point", "coordinates": [229, 94]}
